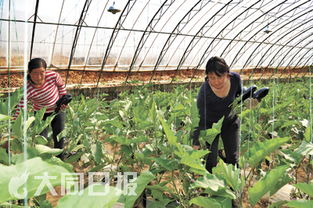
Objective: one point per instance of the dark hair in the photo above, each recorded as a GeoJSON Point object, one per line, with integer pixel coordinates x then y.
{"type": "Point", "coordinates": [216, 65]}
{"type": "Point", "coordinates": [34, 64]}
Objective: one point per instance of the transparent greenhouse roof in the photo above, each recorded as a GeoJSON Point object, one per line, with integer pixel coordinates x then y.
{"type": "Point", "coordinates": [156, 34]}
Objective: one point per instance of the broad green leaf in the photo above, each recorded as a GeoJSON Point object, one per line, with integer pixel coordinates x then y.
{"type": "Point", "coordinates": [153, 112]}
{"type": "Point", "coordinates": [99, 152]}
{"type": "Point", "coordinates": [230, 174]}
{"type": "Point", "coordinates": [140, 184]}
{"type": "Point", "coordinates": [191, 162]}
{"type": "Point", "coordinates": [194, 114]}
{"type": "Point", "coordinates": [260, 150]}
{"type": "Point", "coordinates": [278, 204]}
{"type": "Point", "coordinates": [222, 192]}
{"type": "Point", "coordinates": [210, 134]}
{"type": "Point", "coordinates": [169, 133]}
{"type": "Point", "coordinates": [95, 196]}
{"type": "Point", "coordinates": [197, 154]}
{"type": "Point", "coordinates": [4, 157]}
{"type": "Point", "coordinates": [206, 202]}
{"type": "Point", "coordinates": [39, 124]}
{"type": "Point", "coordinates": [159, 203]}
{"type": "Point", "coordinates": [42, 149]}
{"type": "Point", "coordinates": [31, 172]}
{"type": "Point", "coordinates": [17, 126]}
{"type": "Point", "coordinates": [306, 188]}
{"type": "Point", "coordinates": [40, 139]}
{"type": "Point", "coordinates": [305, 149]}
{"type": "Point", "coordinates": [14, 100]}
{"type": "Point", "coordinates": [209, 181]}
{"type": "Point", "coordinates": [162, 188]}
{"type": "Point", "coordinates": [308, 134]}
{"type": "Point", "coordinates": [267, 184]}
{"type": "Point", "coordinates": [4, 117]}
{"type": "Point", "coordinates": [168, 164]}
{"type": "Point", "coordinates": [29, 121]}
{"type": "Point", "coordinates": [300, 204]}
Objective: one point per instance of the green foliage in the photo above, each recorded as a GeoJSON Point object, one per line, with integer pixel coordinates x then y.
{"type": "Point", "coordinates": [23, 175]}
{"type": "Point", "coordinates": [306, 188]}
{"type": "Point", "coordinates": [95, 195]}
{"type": "Point", "coordinates": [140, 184]}
{"type": "Point", "coordinates": [259, 150]}
{"type": "Point", "coordinates": [7, 105]}
{"type": "Point", "coordinates": [300, 204]}
{"type": "Point", "coordinates": [150, 130]}
{"type": "Point", "coordinates": [230, 174]}
{"type": "Point", "coordinates": [270, 183]}
{"type": "Point", "coordinates": [216, 202]}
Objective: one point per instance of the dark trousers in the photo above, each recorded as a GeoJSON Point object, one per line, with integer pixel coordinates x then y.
{"type": "Point", "coordinates": [230, 137]}
{"type": "Point", "coordinates": [57, 125]}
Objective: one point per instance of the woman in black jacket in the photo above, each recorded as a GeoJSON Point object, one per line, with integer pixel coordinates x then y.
{"type": "Point", "coordinates": [219, 90]}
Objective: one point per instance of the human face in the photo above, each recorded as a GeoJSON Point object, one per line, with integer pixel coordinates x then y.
{"type": "Point", "coordinates": [38, 76]}
{"type": "Point", "coordinates": [218, 82]}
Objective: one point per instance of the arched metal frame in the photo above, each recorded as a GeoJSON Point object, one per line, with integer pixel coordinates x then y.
{"type": "Point", "coordinates": [204, 26]}
{"type": "Point", "coordinates": [167, 7]}
{"type": "Point", "coordinates": [260, 30]}
{"type": "Point", "coordinates": [307, 63]}
{"type": "Point", "coordinates": [300, 49]}
{"type": "Point", "coordinates": [118, 26]}
{"type": "Point", "coordinates": [91, 43]}
{"type": "Point", "coordinates": [181, 24]}
{"type": "Point", "coordinates": [56, 35]}
{"type": "Point", "coordinates": [150, 27]}
{"type": "Point", "coordinates": [229, 38]}
{"type": "Point", "coordinates": [204, 56]}
{"type": "Point", "coordinates": [272, 34]}
{"type": "Point", "coordinates": [77, 33]}
{"type": "Point", "coordinates": [34, 29]}
{"type": "Point", "coordinates": [285, 45]}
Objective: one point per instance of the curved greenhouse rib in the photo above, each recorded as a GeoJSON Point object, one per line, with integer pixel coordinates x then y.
{"type": "Point", "coordinates": [163, 8]}
{"type": "Point", "coordinates": [238, 24]}
{"type": "Point", "coordinates": [191, 43]}
{"type": "Point", "coordinates": [281, 27]}
{"type": "Point", "coordinates": [275, 70]}
{"type": "Point", "coordinates": [248, 25]}
{"type": "Point", "coordinates": [91, 43]}
{"type": "Point", "coordinates": [282, 46]}
{"type": "Point", "coordinates": [295, 54]}
{"type": "Point", "coordinates": [205, 54]}
{"type": "Point", "coordinates": [34, 30]}
{"type": "Point", "coordinates": [55, 36]}
{"type": "Point", "coordinates": [77, 33]}
{"type": "Point", "coordinates": [126, 39]}
{"type": "Point", "coordinates": [129, 5]}
{"type": "Point", "coordinates": [160, 32]}
{"type": "Point", "coordinates": [305, 64]}
{"type": "Point", "coordinates": [181, 25]}
{"type": "Point", "coordinates": [261, 29]}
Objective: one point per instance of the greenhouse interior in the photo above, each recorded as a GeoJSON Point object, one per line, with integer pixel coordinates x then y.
{"type": "Point", "coordinates": [156, 103]}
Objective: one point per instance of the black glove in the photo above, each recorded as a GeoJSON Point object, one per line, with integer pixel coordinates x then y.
{"type": "Point", "coordinates": [248, 93]}
{"type": "Point", "coordinates": [261, 93]}
{"type": "Point", "coordinates": [64, 100]}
